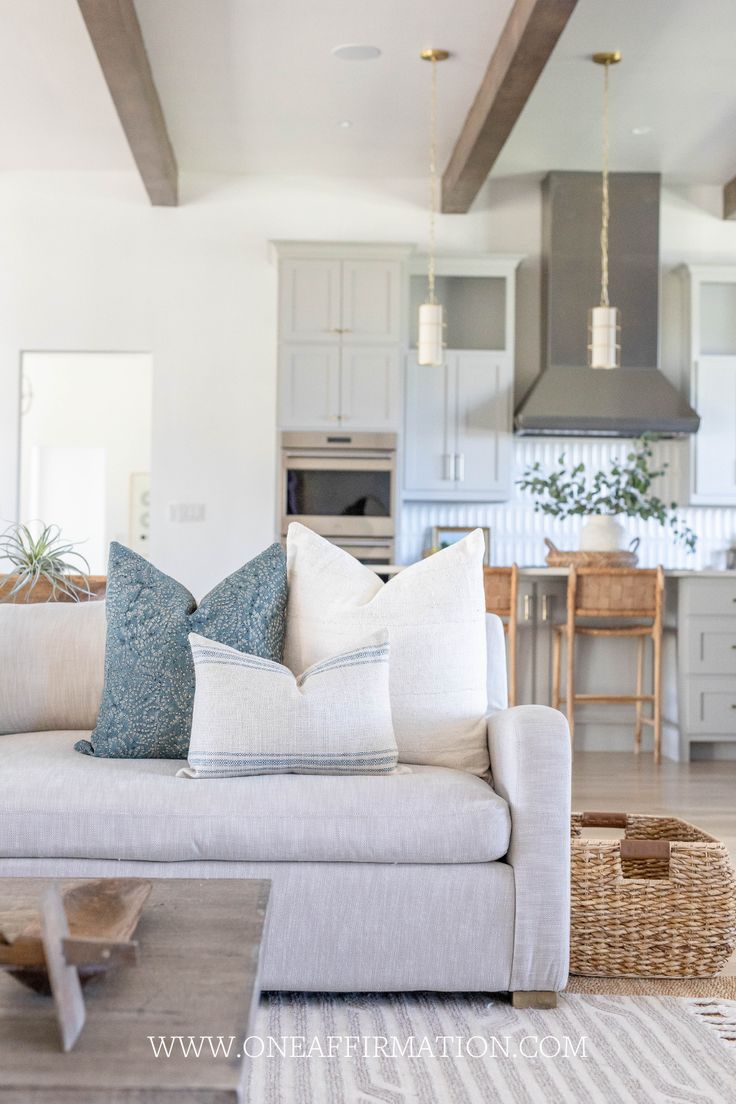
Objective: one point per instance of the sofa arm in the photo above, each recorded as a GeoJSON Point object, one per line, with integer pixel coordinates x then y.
{"type": "Point", "coordinates": [530, 762]}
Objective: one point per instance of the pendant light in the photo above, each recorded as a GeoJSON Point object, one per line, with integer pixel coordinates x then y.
{"type": "Point", "coordinates": [604, 331]}
{"type": "Point", "coordinates": [430, 344]}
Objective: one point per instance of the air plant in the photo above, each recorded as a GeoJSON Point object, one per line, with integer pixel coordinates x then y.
{"type": "Point", "coordinates": [46, 557]}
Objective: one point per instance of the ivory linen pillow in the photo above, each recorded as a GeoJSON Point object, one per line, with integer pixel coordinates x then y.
{"type": "Point", "coordinates": [51, 660]}
{"type": "Point", "coordinates": [253, 716]}
{"type": "Point", "coordinates": [434, 612]}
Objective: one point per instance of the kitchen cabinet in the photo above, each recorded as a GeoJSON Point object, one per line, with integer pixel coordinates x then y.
{"type": "Point", "coordinates": [309, 385]}
{"type": "Point", "coordinates": [458, 416]}
{"type": "Point", "coordinates": [458, 427]}
{"type": "Point", "coordinates": [713, 464]}
{"type": "Point", "coordinates": [706, 661]}
{"type": "Point", "coordinates": [340, 300]}
{"type": "Point", "coordinates": [711, 295]}
{"type": "Point", "coordinates": [371, 301]}
{"type": "Point", "coordinates": [340, 331]}
{"type": "Point", "coordinates": [541, 605]}
{"type": "Point", "coordinates": [370, 386]}
{"type": "Point", "coordinates": [323, 386]}
{"type": "Point", "coordinates": [309, 300]}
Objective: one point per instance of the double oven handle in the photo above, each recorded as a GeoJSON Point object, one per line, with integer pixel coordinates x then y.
{"type": "Point", "coordinates": [320, 462]}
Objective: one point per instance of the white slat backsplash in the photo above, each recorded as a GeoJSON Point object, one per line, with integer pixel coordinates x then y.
{"type": "Point", "coordinates": [517, 532]}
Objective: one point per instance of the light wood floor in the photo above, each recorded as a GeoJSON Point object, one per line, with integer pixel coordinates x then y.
{"type": "Point", "coordinates": [703, 792]}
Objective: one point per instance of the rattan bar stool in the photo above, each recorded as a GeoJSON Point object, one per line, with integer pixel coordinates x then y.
{"type": "Point", "coordinates": [502, 589]}
{"type": "Point", "coordinates": [635, 595]}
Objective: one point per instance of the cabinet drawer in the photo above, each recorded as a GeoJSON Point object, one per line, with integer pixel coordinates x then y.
{"type": "Point", "coordinates": [711, 705]}
{"type": "Point", "coordinates": [708, 596]}
{"type": "Point", "coordinates": [710, 646]}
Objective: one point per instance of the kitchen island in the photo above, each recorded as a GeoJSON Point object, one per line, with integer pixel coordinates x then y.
{"type": "Point", "coordinates": [698, 669]}
{"type": "Point", "coordinates": [699, 663]}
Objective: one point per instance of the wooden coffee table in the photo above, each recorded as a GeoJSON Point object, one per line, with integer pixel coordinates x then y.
{"type": "Point", "coordinates": [197, 974]}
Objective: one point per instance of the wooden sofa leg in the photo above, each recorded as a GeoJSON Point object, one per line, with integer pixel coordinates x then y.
{"type": "Point", "coordinates": [534, 999]}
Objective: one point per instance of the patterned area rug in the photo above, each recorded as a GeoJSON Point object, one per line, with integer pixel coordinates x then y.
{"type": "Point", "coordinates": [428, 1048]}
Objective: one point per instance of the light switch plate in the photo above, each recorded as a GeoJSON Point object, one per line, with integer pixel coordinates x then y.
{"type": "Point", "coordinates": [187, 511]}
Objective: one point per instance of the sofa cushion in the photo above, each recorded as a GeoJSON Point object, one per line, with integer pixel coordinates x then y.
{"type": "Point", "coordinates": [146, 709]}
{"type": "Point", "coordinates": [51, 661]}
{"type": "Point", "coordinates": [253, 716]}
{"type": "Point", "coordinates": [55, 803]}
{"type": "Point", "coordinates": [435, 615]}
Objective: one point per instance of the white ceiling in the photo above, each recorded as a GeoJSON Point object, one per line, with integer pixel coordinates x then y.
{"type": "Point", "coordinates": [676, 77]}
{"type": "Point", "coordinates": [251, 86]}
{"type": "Point", "coordinates": [55, 110]}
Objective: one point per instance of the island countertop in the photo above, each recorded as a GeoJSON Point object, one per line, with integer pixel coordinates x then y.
{"type": "Point", "coordinates": [561, 572]}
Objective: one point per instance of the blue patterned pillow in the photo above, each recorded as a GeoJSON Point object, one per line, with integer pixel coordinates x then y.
{"type": "Point", "coordinates": [146, 710]}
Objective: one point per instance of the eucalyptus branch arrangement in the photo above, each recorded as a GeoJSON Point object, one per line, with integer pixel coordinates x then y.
{"type": "Point", "coordinates": [47, 556]}
{"type": "Point", "coordinates": [624, 490]}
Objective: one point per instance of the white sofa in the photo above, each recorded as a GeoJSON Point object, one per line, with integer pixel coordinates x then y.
{"type": "Point", "coordinates": [428, 879]}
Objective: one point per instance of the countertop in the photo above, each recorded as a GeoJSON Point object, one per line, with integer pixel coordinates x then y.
{"type": "Point", "coordinates": [675, 573]}
{"type": "Point", "coordinates": [561, 572]}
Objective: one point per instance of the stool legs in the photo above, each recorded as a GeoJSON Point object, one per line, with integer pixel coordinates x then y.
{"type": "Point", "coordinates": [639, 692]}
{"type": "Point", "coordinates": [556, 664]}
{"type": "Point", "coordinates": [657, 691]}
{"type": "Point", "coordinates": [570, 691]}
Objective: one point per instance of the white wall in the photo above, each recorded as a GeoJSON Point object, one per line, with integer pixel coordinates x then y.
{"type": "Point", "coordinates": [85, 263]}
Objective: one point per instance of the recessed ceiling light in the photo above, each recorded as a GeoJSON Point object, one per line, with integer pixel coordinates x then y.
{"type": "Point", "coordinates": [355, 52]}
{"type": "Point", "coordinates": [639, 130]}
{"type": "Point", "coordinates": [344, 124]}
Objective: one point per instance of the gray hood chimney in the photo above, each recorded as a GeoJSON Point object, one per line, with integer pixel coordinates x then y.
{"type": "Point", "coordinates": [569, 398]}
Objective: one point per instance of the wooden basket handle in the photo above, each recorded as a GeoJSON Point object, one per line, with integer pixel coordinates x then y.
{"type": "Point", "coordinates": [551, 545]}
{"type": "Point", "coordinates": [645, 849]}
{"type": "Point", "coordinates": [604, 820]}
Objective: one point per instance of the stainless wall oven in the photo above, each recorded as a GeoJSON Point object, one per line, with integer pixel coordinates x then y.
{"type": "Point", "coordinates": [342, 485]}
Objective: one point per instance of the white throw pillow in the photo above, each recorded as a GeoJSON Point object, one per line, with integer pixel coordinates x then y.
{"type": "Point", "coordinates": [434, 612]}
{"type": "Point", "coordinates": [252, 716]}
{"type": "Point", "coordinates": [52, 656]}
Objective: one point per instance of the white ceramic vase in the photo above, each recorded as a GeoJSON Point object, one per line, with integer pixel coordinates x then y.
{"type": "Point", "coordinates": [602, 533]}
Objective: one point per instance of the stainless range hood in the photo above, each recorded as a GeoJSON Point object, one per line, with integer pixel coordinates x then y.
{"type": "Point", "coordinates": [568, 398]}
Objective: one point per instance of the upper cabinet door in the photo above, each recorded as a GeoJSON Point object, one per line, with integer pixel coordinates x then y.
{"type": "Point", "coordinates": [309, 300]}
{"type": "Point", "coordinates": [309, 386]}
{"type": "Point", "coordinates": [428, 451]}
{"type": "Point", "coordinates": [482, 407]}
{"type": "Point", "coordinates": [370, 387]}
{"type": "Point", "coordinates": [714, 445]}
{"type": "Point", "coordinates": [371, 301]}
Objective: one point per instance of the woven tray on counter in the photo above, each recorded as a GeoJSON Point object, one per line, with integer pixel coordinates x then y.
{"type": "Point", "coordinates": [659, 903]}
{"type": "Point", "coordinates": [557, 557]}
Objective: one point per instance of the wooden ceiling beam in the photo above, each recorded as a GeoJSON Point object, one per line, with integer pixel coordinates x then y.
{"type": "Point", "coordinates": [729, 199]}
{"type": "Point", "coordinates": [116, 36]}
{"type": "Point", "coordinates": [524, 48]}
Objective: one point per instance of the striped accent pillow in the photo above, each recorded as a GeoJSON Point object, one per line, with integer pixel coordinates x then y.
{"type": "Point", "coordinates": [253, 716]}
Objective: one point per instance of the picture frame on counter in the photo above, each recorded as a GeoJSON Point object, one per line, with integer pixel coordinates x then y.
{"type": "Point", "coordinates": [445, 535]}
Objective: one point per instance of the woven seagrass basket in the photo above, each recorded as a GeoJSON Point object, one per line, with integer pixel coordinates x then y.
{"type": "Point", "coordinates": [659, 903]}
{"type": "Point", "coordinates": [560, 557]}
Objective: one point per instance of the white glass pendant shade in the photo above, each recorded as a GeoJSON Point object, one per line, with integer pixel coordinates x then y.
{"type": "Point", "coordinates": [430, 334]}
{"type": "Point", "coordinates": [604, 346]}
